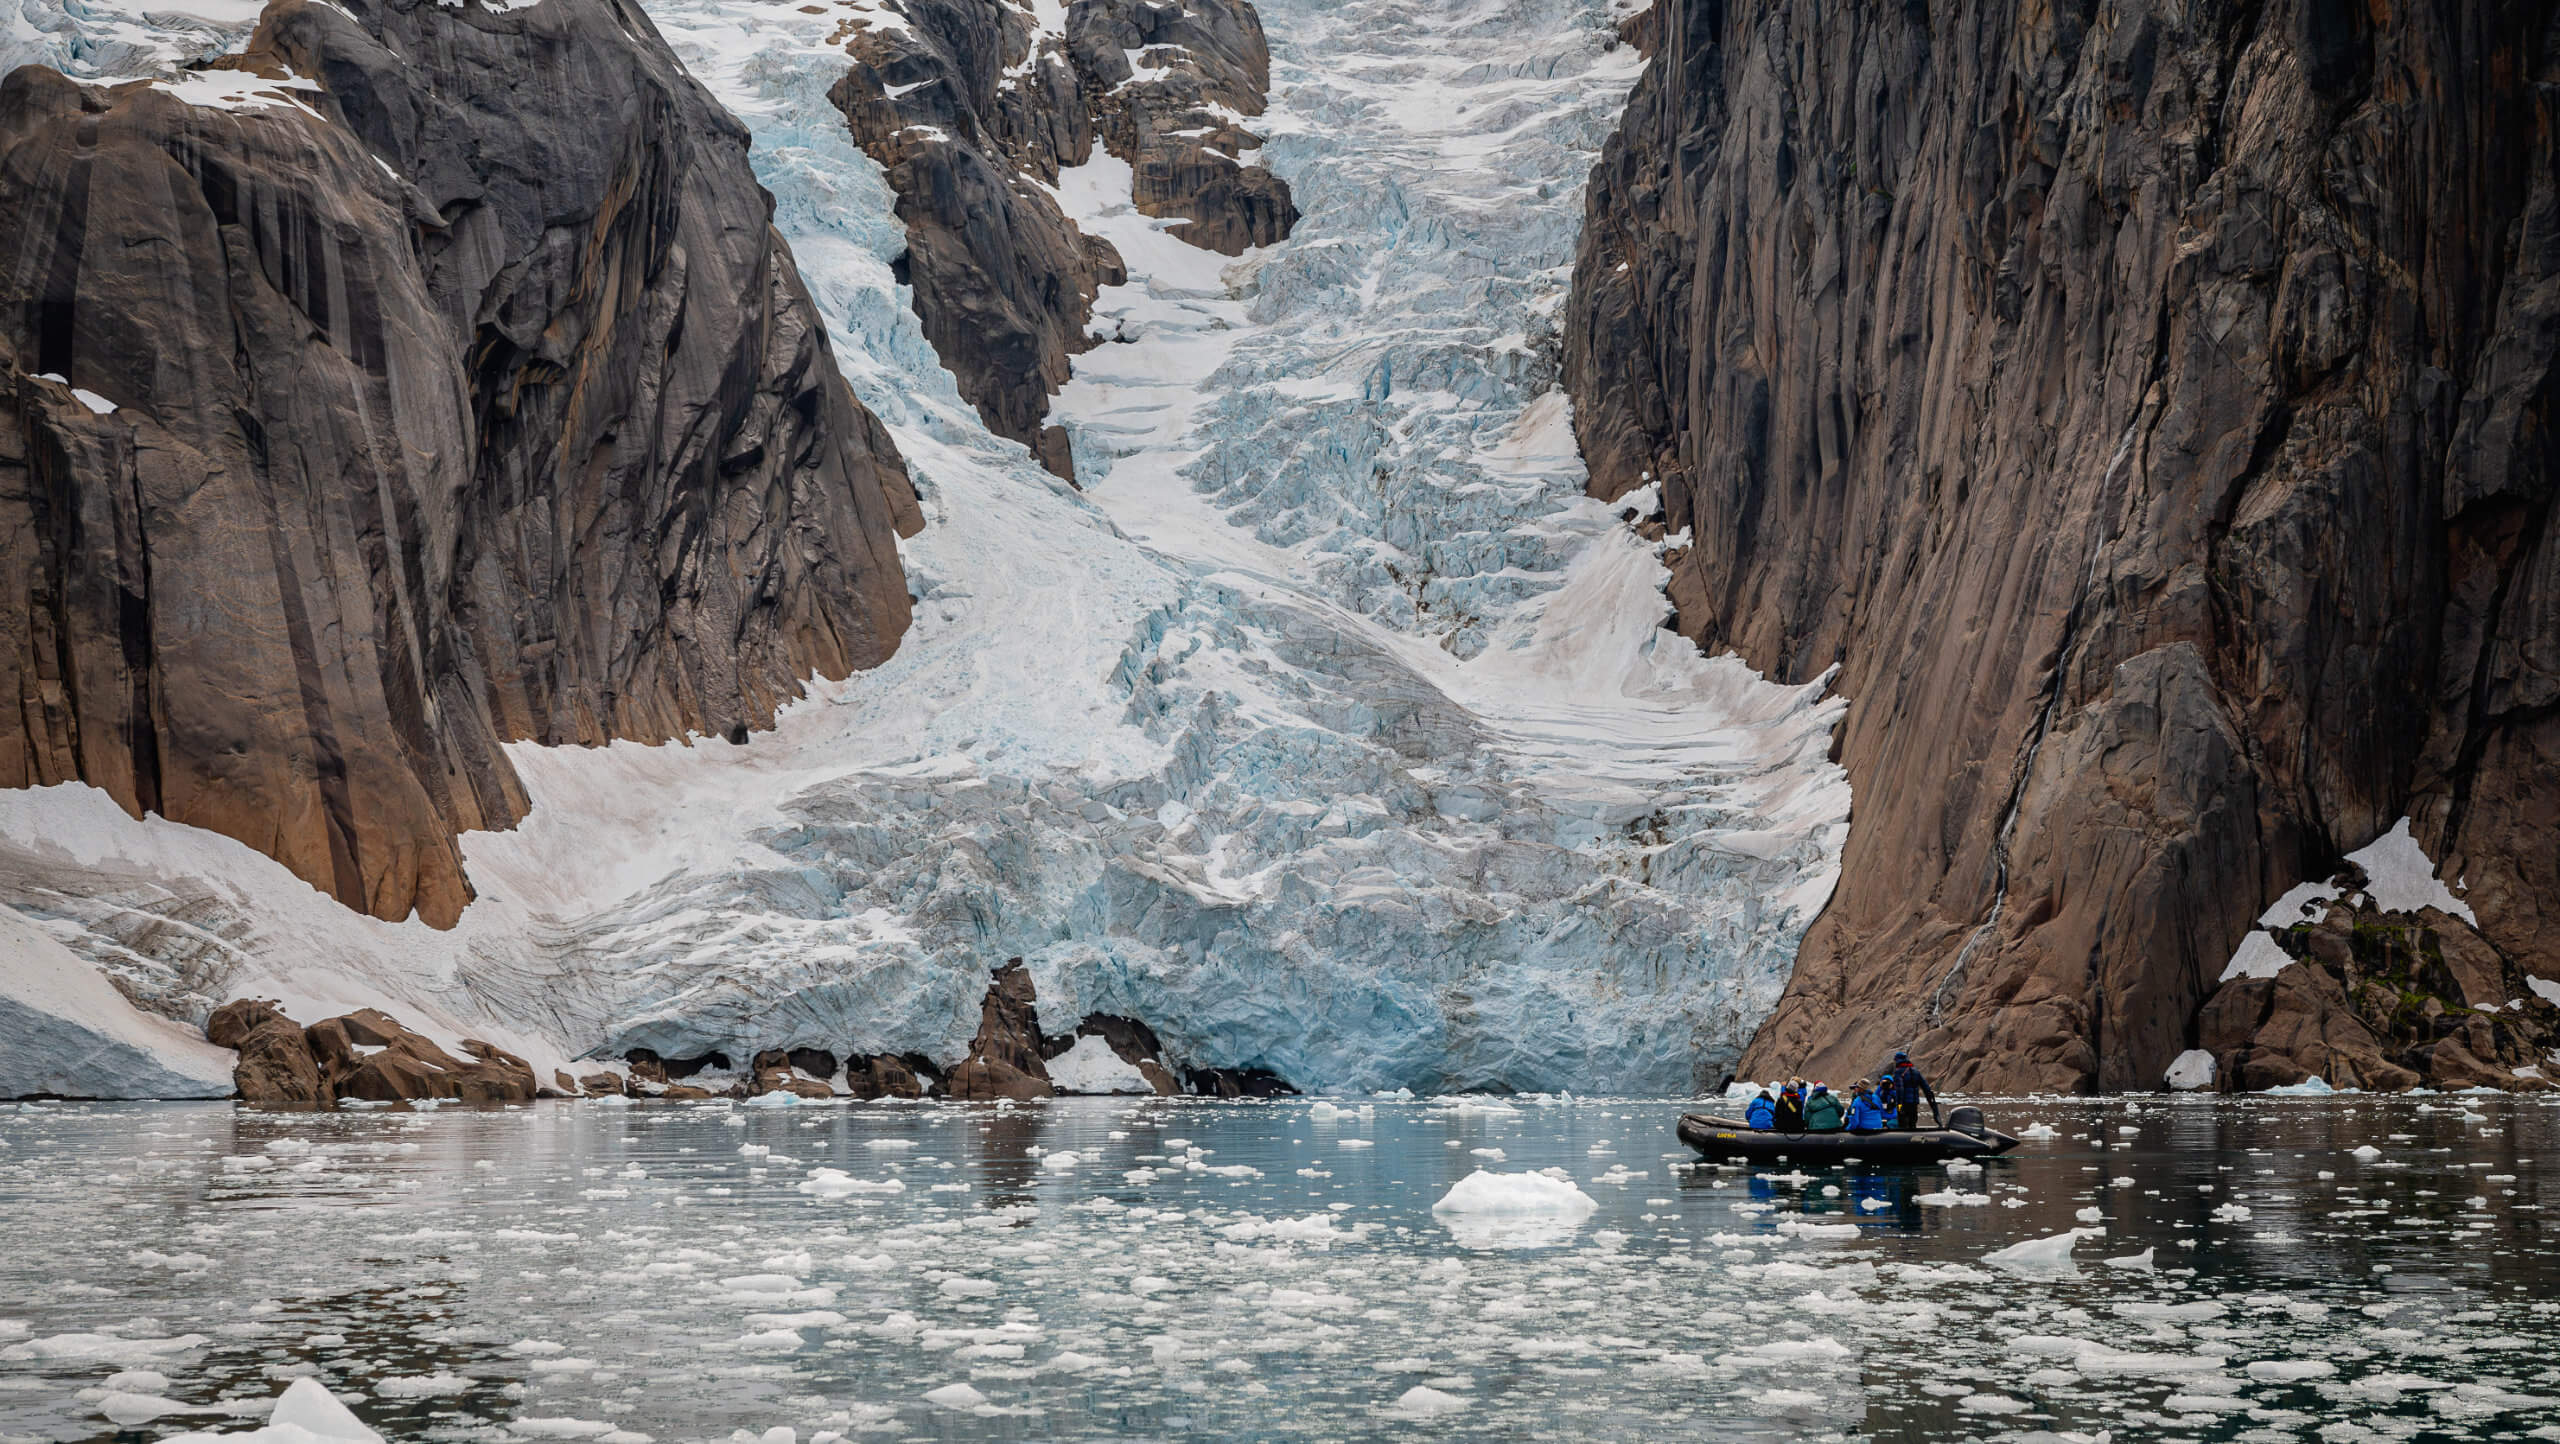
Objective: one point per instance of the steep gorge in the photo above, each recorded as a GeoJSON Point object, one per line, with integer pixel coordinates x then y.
{"type": "Point", "coordinates": [2146, 406]}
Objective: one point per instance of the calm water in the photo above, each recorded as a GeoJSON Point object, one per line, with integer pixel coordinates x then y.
{"type": "Point", "coordinates": [1237, 1271]}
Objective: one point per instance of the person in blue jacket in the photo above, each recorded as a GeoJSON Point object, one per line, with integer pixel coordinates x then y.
{"type": "Point", "coordinates": [1762, 1112]}
{"type": "Point", "coordinates": [1866, 1115]}
{"type": "Point", "coordinates": [1908, 1088]}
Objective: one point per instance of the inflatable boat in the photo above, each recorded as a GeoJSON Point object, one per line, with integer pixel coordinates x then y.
{"type": "Point", "coordinates": [1965, 1135]}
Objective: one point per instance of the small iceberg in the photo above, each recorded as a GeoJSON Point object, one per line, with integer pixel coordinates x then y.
{"type": "Point", "coordinates": [2042, 1255]}
{"type": "Point", "coordinates": [1513, 1210]}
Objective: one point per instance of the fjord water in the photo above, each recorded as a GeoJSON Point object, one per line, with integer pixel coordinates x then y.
{"type": "Point", "coordinates": [1235, 1271]}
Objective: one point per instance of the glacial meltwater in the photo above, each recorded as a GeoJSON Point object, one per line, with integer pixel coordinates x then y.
{"type": "Point", "coordinates": [2269, 1269]}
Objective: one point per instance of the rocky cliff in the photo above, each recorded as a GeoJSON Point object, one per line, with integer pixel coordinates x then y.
{"type": "Point", "coordinates": [427, 377]}
{"type": "Point", "coordinates": [2146, 406]}
{"type": "Point", "coordinates": [975, 106]}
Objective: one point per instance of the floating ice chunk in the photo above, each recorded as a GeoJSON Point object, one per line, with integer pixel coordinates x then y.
{"type": "Point", "coordinates": [306, 1413]}
{"type": "Point", "coordinates": [1513, 1210]}
{"type": "Point", "coordinates": [836, 1183]}
{"type": "Point", "coordinates": [2365, 1153]}
{"type": "Point", "coordinates": [2091, 1215]}
{"type": "Point", "coordinates": [1424, 1402]}
{"type": "Point", "coordinates": [1354, 1143]}
{"type": "Point", "coordinates": [2138, 1261]}
{"type": "Point", "coordinates": [1061, 1161]}
{"type": "Point", "coordinates": [560, 1428]}
{"type": "Point", "coordinates": [420, 1386]}
{"type": "Point", "coordinates": [1779, 1401]}
{"type": "Point", "coordinates": [2289, 1371]}
{"type": "Point", "coordinates": [2039, 1130]}
{"type": "Point", "coordinates": [1992, 1404]}
{"type": "Point", "coordinates": [2041, 1254]}
{"type": "Point", "coordinates": [955, 1396]}
{"type": "Point", "coordinates": [1951, 1198]}
{"type": "Point", "coordinates": [1516, 1195]}
{"type": "Point", "coordinates": [965, 1287]}
{"type": "Point", "coordinates": [2231, 1213]}
{"type": "Point", "coordinates": [1786, 1353]}
{"type": "Point", "coordinates": [1324, 1112]}
{"type": "Point", "coordinates": [1819, 1230]}
{"type": "Point", "coordinates": [2193, 1068]}
{"type": "Point", "coordinates": [1493, 1155]}
{"type": "Point", "coordinates": [889, 1145]}
{"type": "Point", "coordinates": [99, 1348]}
{"type": "Point", "coordinates": [128, 1410]}
{"type": "Point", "coordinates": [2312, 1087]}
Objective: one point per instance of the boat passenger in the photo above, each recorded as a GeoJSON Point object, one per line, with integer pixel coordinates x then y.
{"type": "Point", "coordinates": [1762, 1112]}
{"type": "Point", "coordinates": [1822, 1111]}
{"type": "Point", "coordinates": [1908, 1086]}
{"type": "Point", "coordinates": [1791, 1107]}
{"type": "Point", "coordinates": [1866, 1115]}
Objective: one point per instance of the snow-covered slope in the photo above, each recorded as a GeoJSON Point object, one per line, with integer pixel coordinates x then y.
{"type": "Point", "coordinates": [1331, 733]}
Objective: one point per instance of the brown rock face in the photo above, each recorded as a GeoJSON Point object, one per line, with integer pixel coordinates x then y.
{"type": "Point", "coordinates": [772, 1072]}
{"type": "Point", "coordinates": [970, 101]}
{"type": "Point", "coordinates": [2381, 1000]}
{"type": "Point", "coordinates": [276, 1066]}
{"type": "Point", "coordinates": [365, 1054]}
{"type": "Point", "coordinates": [2146, 407]}
{"type": "Point", "coordinates": [468, 399]}
{"type": "Point", "coordinates": [882, 1076]}
{"type": "Point", "coordinates": [1005, 1060]}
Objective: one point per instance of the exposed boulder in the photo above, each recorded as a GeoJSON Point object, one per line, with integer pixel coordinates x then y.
{"type": "Point", "coordinates": [780, 1070]}
{"type": "Point", "coordinates": [603, 1084]}
{"type": "Point", "coordinates": [2147, 410]}
{"type": "Point", "coordinates": [366, 1054]}
{"type": "Point", "coordinates": [972, 109]}
{"type": "Point", "coordinates": [1005, 1059]}
{"type": "Point", "coordinates": [882, 1075]}
{"type": "Point", "coordinates": [276, 1065]}
{"type": "Point", "coordinates": [2381, 1000]}
{"type": "Point", "coordinates": [456, 392]}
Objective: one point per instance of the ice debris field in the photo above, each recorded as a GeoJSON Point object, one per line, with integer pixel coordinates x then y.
{"type": "Point", "coordinates": [1331, 732]}
{"type": "Point", "coordinates": [1471, 1267]}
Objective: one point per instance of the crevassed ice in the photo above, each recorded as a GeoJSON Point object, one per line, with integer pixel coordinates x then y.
{"type": "Point", "coordinates": [1334, 732]}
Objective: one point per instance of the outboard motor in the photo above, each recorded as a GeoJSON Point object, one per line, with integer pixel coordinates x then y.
{"type": "Point", "coordinates": [1967, 1119]}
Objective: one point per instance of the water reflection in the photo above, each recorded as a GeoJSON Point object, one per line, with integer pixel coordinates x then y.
{"type": "Point", "coordinates": [1229, 1271]}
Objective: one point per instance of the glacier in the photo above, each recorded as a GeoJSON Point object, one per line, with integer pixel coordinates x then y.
{"type": "Point", "coordinates": [1331, 731]}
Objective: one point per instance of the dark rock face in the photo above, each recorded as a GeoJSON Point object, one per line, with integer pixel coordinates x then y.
{"type": "Point", "coordinates": [1005, 1060]}
{"type": "Point", "coordinates": [969, 102]}
{"type": "Point", "coordinates": [882, 1076]}
{"type": "Point", "coordinates": [2380, 1000]}
{"type": "Point", "coordinates": [366, 1054]}
{"type": "Point", "coordinates": [467, 398]}
{"type": "Point", "coordinates": [1239, 1083]}
{"type": "Point", "coordinates": [2147, 408]}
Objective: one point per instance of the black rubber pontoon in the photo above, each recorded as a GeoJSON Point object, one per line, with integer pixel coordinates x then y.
{"type": "Point", "coordinates": [1965, 1136]}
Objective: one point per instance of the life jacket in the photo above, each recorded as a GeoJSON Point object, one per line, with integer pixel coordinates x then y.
{"type": "Point", "coordinates": [1762, 1114]}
